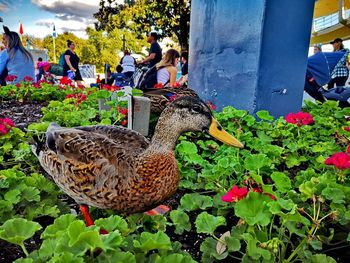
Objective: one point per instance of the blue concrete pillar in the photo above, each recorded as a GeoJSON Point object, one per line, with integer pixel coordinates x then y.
{"type": "Point", "coordinates": [250, 54]}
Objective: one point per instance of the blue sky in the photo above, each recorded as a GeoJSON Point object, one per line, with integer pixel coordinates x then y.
{"type": "Point", "coordinates": [38, 16]}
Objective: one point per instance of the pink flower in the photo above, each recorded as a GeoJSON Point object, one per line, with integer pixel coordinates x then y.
{"type": "Point", "coordinates": [300, 118]}
{"type": "Point", "coordinates": [340, 160]}
{"type": "Point", "coordinates": [7, 122]}
{"type": "Point", "coordinates": [5, 125]}
{"type": "Point", "coordinates": [235, 194]}
{"type": "Point", "coordinates": [3, 129]}
{"type": "Point", "coordinates": [347, 129]}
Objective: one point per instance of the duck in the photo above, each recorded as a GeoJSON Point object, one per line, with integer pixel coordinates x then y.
{"type": "Point", "coordinates": [112, 167]}
{"type": "Point", "coordinates": [160, 98]}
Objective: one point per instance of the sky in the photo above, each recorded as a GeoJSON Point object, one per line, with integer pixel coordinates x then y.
{"type": "Point", "coordinates": [38, 16]}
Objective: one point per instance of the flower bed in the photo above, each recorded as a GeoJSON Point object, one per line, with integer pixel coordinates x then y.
{"type": "Point", "coordinates": [285, 197]}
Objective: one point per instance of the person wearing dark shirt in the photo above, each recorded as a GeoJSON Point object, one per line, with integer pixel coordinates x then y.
{"type": "Point", "coordinates": [72, 62]}
{"type": "Point", "coordinates": [184, 60]}
{"type": "Point", "coordinates": [155, 52]}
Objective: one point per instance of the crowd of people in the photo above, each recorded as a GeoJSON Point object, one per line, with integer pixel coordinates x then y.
{"type": "Point", "coordinates": [16, 60]}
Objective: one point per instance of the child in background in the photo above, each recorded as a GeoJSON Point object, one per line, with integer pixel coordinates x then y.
{"type": "Point", "coordinates": [119, 77]}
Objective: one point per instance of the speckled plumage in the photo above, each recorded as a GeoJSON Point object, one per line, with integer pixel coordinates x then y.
{"type": "Point", "coordinates": [116, 168]}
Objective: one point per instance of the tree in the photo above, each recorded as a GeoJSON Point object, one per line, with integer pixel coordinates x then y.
{"type": "Point", "coordinates": [169, 17]}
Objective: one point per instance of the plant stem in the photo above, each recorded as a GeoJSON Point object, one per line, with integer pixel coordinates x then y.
{"type": "Point", "coordinates": [24, 249]}
{"type": "Point", "coordinates": [296, 250]}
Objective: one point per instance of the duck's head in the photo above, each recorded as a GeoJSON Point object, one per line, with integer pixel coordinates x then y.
{"type": "Point", "coordinates": [192, 114]}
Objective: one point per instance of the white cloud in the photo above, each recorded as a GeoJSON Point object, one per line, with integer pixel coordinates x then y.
{"type": "Point", "coordinates": [70, 16]}
{"type": "Point", "coordinates": [75, 8]}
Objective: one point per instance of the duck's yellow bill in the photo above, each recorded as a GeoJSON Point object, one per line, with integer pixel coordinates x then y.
{"type": "Point", "coordinates": [219, 133]}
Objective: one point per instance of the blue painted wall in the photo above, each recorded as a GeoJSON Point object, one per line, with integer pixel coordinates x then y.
{"type": "Point", "coordinates": [250, 54]}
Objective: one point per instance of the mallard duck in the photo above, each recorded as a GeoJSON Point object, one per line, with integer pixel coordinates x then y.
{"type": "Point", "coordinates": [160, 98]}
{"type": "Point", "coordinates": [116, 168]}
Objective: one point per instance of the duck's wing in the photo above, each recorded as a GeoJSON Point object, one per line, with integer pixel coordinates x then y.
{"type": "Point", "coordinates": [119, 135]}
{"type": "Point", "coordinates": [88, 166]}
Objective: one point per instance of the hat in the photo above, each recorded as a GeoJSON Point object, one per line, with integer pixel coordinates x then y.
{"type": "Point", "coordinates": [6, 30]}
{"type": "Point", "coordinates": [337, 40]}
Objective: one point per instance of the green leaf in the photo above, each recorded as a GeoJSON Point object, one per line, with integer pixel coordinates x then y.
{"type": "Point", "coordinates": [334, 194]}
{"type": "Point", "coordinates": [117, 257]}
{"type": "Point", "coordinates": [17, 230]}
{"type": "Point", "coordinates": [206, 223]}
{"type": "Point", "coordinates": [253, 209]}
{"type": "Point", "coordinates": [66, 257]}
{"type": "Point", "coordinates": [24, 260]}
{"type": "Point", "coordinates": [149, 241]}
{"type": "Point", "coordinates": [255, 162]}
{"type": "Point", "coordinates": [13, 196]}
{"type": "Point", "coordinates": [175, 258]}
{"type": "Point", "coordinates": [233, 244]}
{"type": "Point", "coordinates": [112, 241]}
{"type": "Point", "coordinates": [181, 221]}
{"type": "Point", "coordinates": [191, 202]}
{"type": "Point", "coordinates": [74, 230]}
{"type": "Point", "coordinates": [112, 223]}
{"type": "Point", "coordinates": [59, 226]}
{"type": "Point", "coordinates": [264, 115]}
{"type": "Point", "coordinates": [282, 182]}
{"type": "Point", "coordinates": [322, 258]}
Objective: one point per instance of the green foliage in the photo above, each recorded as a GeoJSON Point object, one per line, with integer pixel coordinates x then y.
{"type": "Point", "coordinates": [18, 230]}
{"type": "Point", "coordinates": [171, 17]}
{"type": "Point", "coordinates": [295, 203]}
{"type": "Point", "coordinates": [27, 196]}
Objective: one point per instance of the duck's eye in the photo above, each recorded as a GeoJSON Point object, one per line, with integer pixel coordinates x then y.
{"type": "Point", "coordinates": [196, 108]}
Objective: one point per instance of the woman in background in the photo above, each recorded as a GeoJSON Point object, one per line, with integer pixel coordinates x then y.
{"type": "Point", "coordinates": [19, 61]}
{"type": "Point", "coordinates": [72, 62]}
{"type": "Point", "coordinates": [166, 68]}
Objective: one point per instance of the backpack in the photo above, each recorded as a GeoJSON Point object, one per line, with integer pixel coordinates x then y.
{"type": "Point", "coordinates": [61, 61]}
{"type": "Point", "coordinates": [149, 79]}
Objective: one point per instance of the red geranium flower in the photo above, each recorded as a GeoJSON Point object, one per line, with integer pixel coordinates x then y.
{"type": "Point", "coordinates": [28, 79]}
{"type": "Point", "coordinates": [159, 86]}
{"type": "Point", "coordinates": [65, 81]}
{"type": "Point", "coordinates": [11, 78]}
{"type": "Point", "coordinates": [347, 129]}
{"type": "Point", "coordinates": [235, 194]}
{"type": "Point", "coordinates": [300, 118]}
{"type": "Point", "coordinates": [124, 123]}
{"type": "Point", "coordinates": [122, 111]}
{"type": "Point", "coordinates": [176, 85]}
{"type": "Point", "coordinates": [340, 160]}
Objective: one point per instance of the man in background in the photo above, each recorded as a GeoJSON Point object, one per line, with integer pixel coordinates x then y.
{"type": "Point", "coordinates": [155, 52]}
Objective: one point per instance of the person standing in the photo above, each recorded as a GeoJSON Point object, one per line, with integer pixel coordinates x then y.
{"type": "Point", "coordinates": [155, 52]}
{"type": "Point", "coordinates": [19, 61]}
{"type": "Point", "coordinates": [128, 64]}
{"type": "Point", "coordinates": [72, 62]}
{"type": "Point", "coordinates": [341, 71]}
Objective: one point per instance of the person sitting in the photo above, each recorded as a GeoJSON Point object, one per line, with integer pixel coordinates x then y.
{"type": "Point", "coordinates": [119, 77]}
{"type": "Point", "coordinates": [166, 68]}
{"type": "Point", "coordinates": [19, 61]}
